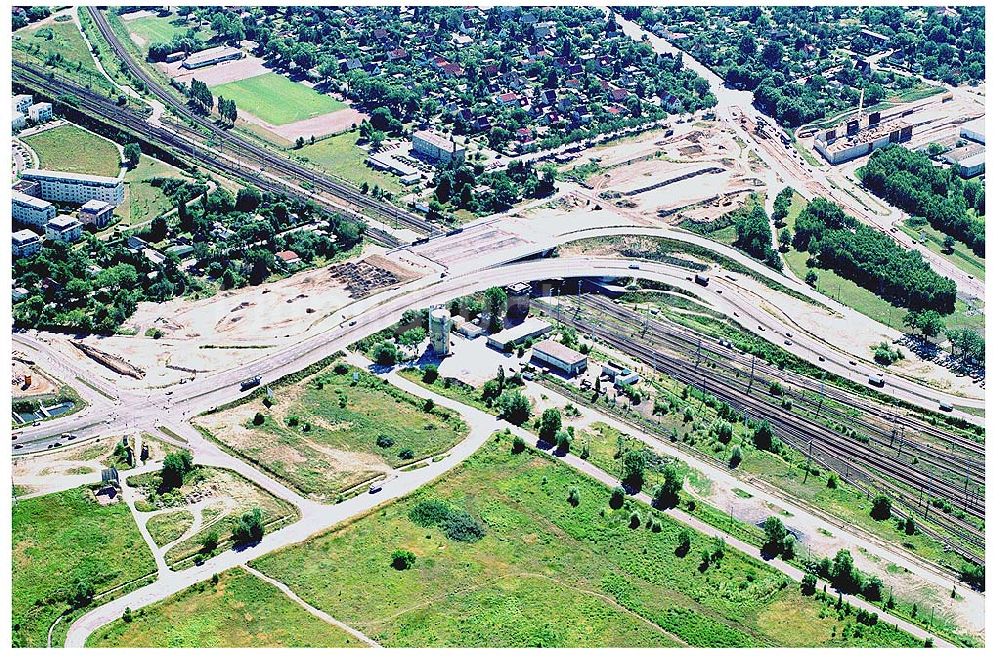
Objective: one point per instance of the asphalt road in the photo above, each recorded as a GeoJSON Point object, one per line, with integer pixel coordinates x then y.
{"type": "Point", "coordinates": [145, 409]}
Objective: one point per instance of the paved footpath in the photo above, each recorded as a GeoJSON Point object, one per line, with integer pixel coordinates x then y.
{"type": "Point", "coordinates": [317, 518]}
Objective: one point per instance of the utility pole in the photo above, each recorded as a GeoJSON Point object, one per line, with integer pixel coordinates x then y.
{"type": "Point", "coordinates": [822, 393]}
{"type": "Point", "coordinates": [697, 359]}
{"type": "Point", "coordinates": [808, 462]}
{"type": "Point", "coordinates": [753, 367]}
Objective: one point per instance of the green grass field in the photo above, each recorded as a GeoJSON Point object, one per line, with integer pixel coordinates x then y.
{"type": "Point", "coordinates": [235, 494]}
{"type": "Point", "coordinates": [40, 44]}
{"type": "Point", "coordinates": [317, 428]}
{"type": "Point", "coordinates": [62, 539]}
{"type": "Point", "coordinates": [550, 573]}
{"type": "Point", "coordinates": [150, 29]}
{"type": "Point", "coordinates": [276, 99]}
{"type": "Point", "coordinates": [167, 527]}
{"type": "Point", "coordinates": [340, 155]}
{"type": "Point", "coordinates": [143, 201]}
{"type": "Point", "coordinates": [72, 148]}
{"type": "Point", "coordinates": [240, 610]}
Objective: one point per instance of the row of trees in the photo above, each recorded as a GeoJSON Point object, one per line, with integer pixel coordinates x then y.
{"type": "Point", "coordinates": [911, 181]}
{"type": "Point", "coordinates": [871, 259]}
{"type": "Point", "coordinates": [200, 96]}
{"type": "Point", "coordinates": [227, 109]}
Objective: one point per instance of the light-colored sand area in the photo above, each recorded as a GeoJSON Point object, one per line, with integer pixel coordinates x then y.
{"type": "Point", "coordinates": [325, 125]}
{"type": "Point", "coordinates": [64, 467]}
{"type": "Point", "coordinates": [214, 75]}
{"type": "Point", "coordinates": [40, 383]}
{"type": "Point", "coordinates": [231, 328]}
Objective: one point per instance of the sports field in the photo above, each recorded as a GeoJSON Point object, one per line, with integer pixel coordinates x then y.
{"type": "Point", "coordinates": [151, 29]}
{"type": "Point", "coordinates": [239, 610]}
{"type": "Point", "coordinates": [276, 99]}
{"type": "Point", "coordinates": [72, 148]}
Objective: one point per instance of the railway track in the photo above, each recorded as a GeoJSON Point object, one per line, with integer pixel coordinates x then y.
{"type": "Point", "coordinates": [963, 457]}
{"type": "Point", "coordinates": [179, 141]}
{"type": "Point", "coordinates": [839, 452]}
{"type": "Point", "coordinates": [270, 160]}
{"type": "Point", "coordinates": [939, 461]}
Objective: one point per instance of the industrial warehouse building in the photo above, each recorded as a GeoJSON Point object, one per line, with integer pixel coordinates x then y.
{"type": "Point", "coordinates": [30, 210]}
{"type": "Point", "coordinates": [557, 355]}
{"type": "Point", "coordinates": [212, 56]}
{"type": "Point", "coordinates": [974, 130]}
{"type": "Point", "coordinates": [531, 327]}
{"type": "Point", "coordinates": [436, 147]}
{"type": "Point", "coordinates": [853, 140]}
{"type": "Point", "coordinates": [76, 187]}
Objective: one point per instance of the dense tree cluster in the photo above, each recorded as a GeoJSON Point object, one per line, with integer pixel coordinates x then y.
{"type": "Point", "coordinates": [227, 109]}
{"type": "Point", "coordinates": [845, 576]}
{"type": "Point", "coordinates": [200, 96]}
{"type": "Point", "coordinates": [914, 183]}
{"type": "Point", "coordinates": [22, 16]}
{"type": "Point", "coordinates": [475, 189]}
{"type": "Point", "coordinates": [793, 58]}
{"type": "Point", "coordinates": [944, 45]}
{"type": "Point", "coordinates": [871, 259]}
{"type": "Point", "coordinates": [753, 234]}
{"type": "Point", "coordinates": [341, 49]}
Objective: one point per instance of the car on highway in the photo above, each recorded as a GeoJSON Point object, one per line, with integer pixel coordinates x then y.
{"type": "Point", "coordinates": [788, 343]}
{"type": "Point", "coordinates": [853, 362]}
{"type": "Point", "coordinates": [19, 446]}
{"type": "Point", "coordinates": [634, 267]}
{"type": "Point", "coordinates": [352, 323]}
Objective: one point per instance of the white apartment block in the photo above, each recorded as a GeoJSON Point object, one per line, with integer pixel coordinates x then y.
{"type": "Point", "coordinates": [64, 228]}
{"type": "Point", "coordinates": [25, 243]}
{"type": "Point", "coordinates": [20, 103]}
{"type": "Point", "coordinates": [96, 213]}
{"type": "Point", "coordinates": [41, 112]}
{"type": "Point", "coordinates": [30, 210]}
{"type": "Point", "coordinates": [76, 187]}
{"type": "Point", "coordinates": [17, 121]}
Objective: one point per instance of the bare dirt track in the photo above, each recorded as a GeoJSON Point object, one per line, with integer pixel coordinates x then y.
{"type": "Point", "coordinates": [216, 75]}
